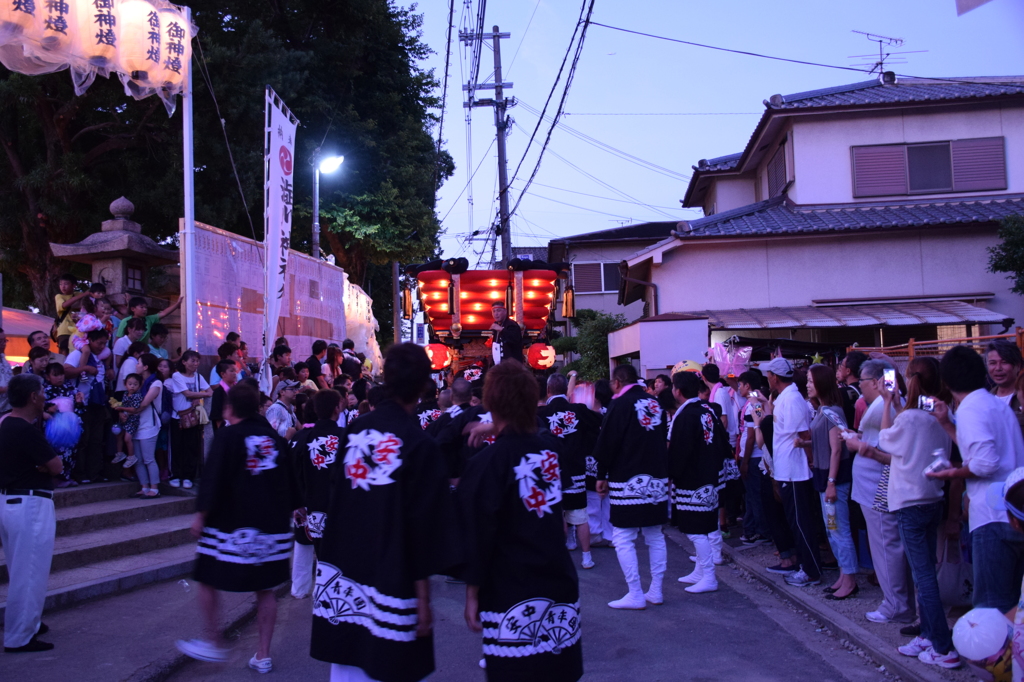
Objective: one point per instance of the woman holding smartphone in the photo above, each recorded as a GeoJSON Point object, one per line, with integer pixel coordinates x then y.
{"type": "Point", "coordinates": [909, 446]}
{"type": "Point", "coordinates": [831, 471]}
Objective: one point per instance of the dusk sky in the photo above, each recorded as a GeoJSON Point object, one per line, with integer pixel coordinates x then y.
{"type": "Point", "coordinates": [620, 73]}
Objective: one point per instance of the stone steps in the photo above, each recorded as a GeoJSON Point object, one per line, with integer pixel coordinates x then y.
{"type": "Point", "coordinates": [109, 542]}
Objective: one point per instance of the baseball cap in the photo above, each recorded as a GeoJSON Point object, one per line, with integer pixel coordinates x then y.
{"type": "Point", "coordinates": [779, 367]}
{"type": "Point", "coordinates": [687, 366]}
{"type": "Point", "coordinates": [997, 492]}
{"type": "Point", "coordinates": [286, 384]}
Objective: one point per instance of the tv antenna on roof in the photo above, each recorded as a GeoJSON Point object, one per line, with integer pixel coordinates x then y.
{"type": "Point", "coordinates": [884, 56]}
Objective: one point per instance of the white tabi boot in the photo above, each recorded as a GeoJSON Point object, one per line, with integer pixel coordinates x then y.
{"type": "Point", "coordinates": [707, 581]}
{"type": "Point", "coordinates": [626, 551]}
{"type": "Point", "coordinates": [658, 553]}
{"type": "Point", "coordinates": [715, 538]}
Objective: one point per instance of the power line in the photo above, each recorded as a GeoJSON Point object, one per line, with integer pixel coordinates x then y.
{"type": "Point", "coordinates": [582, 208]}
{"type": "Point", "coordinates": [551, 94]}
{"type": "Point", "coordinates": [561, 104]}
{"type": "Point", "coordinates": [598, 196]}
{"type": "Point", "coordinates": [525, 31]}
{"type": "Point", "coordinates": [470, 180]}
{"type": "Point", "coordinates": [726, 49]}
{"type": "Point", "coordinates": [604, 184]}
{"type": "Point", "coordinates": [444, 92]}
{"type": "Point", "coordinates": [204, 70]}
{"type": "Point", "coordinates": [604, 146]}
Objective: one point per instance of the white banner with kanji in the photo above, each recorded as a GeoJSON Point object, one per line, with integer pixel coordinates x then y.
{"type": "Point", "coordinates": [278, 198]}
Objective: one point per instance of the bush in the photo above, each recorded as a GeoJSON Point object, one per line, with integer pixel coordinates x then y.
{"type": "Point", "coordinates": [592, 330]}
{"type": "Point", "coordinates": [1008, 256]}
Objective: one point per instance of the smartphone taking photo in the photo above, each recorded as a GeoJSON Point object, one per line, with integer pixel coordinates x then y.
{"type": "Point", "coordinates": [926, 403]}
{"type": "Point", "coordinates": [889, 379]}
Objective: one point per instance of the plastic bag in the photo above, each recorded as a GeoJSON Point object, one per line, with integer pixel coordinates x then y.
{"type": "Point", "coordinates": [956, 576]}
{"type": "Point", "coordinates": [63, 430]}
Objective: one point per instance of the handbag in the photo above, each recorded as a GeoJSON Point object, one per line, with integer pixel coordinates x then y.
{"type": "Point", "coordinates": [204, 418]}
{"type": "Point", "coordinates": [955, 576]}
{"type": "Point", "coordinates": [188, 419]}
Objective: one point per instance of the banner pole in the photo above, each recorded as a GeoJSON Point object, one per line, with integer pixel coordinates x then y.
{"type": "Point", "coordinates": [190, 303]}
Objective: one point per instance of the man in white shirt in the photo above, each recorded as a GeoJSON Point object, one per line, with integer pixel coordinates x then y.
{"type": "Point", "coordinates": [991, 445]}
{"type": "Point", "coordinates": [281, 414]}
{"type": "Point", "coordinates": [1003, 361]}
{"type": "Point", "coordinates": [792, 422]}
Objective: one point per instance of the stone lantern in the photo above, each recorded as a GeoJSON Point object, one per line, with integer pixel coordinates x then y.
{"type": "Point", "coordinates": [120, 255]}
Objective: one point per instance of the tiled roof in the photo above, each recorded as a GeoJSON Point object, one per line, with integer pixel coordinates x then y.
{"type": "Point", "coordinates": [642, 231]}
{"type": "Point", "coordinates": [721, 163]}
{"type": "Point", "coordinates": [779, 216]}
{"type": "Point", "coordinates": [892, 314]}
{"type": "Point", "coordinates": [909, 90]}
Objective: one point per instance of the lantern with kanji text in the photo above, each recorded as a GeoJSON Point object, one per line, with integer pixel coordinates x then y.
{"type": "Point", "coordinates": [440, 356]}
{"type": "Point", "coordinates": [541, 356]}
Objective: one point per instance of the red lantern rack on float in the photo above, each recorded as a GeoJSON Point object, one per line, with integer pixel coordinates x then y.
{"type": "Point", "coordinates": [457, 304]}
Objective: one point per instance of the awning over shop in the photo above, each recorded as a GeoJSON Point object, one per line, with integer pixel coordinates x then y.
{"type": "Point", "coordinates": [873, 315]}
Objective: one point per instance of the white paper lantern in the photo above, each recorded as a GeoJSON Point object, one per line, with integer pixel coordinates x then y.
{"type": "Point", "coordinates": [96, 36]}
{"type": "Point", "coordinates": [140, 41]}
{"type": "Point", "coordinates": [981, 633]}
{"type": "Point", "coordinates": [54, 26]}
{"type": "Point", "coordinates": [17, 17]}
{"type": "Point", "coordinates": [176, 47]}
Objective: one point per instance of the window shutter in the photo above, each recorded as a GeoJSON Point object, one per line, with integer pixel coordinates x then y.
{"type": "Point", "coordinates": [586, 278]}
{"type": "Point", "coordinates": [777, 173]}
{"type": "Point", "coordinates": [878, 171]}
{"type": "Point", "coordinates": [979, 164]}
{"type": "Point", "coordinates": [611, 276]}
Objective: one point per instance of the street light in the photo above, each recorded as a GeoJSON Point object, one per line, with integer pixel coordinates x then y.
{"type": "Point", "coordinates": [328, 165]}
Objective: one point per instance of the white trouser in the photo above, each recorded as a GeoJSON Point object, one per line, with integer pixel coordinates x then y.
{"type": "Point", "coordinates": [27, 527]}
{"type": "Point", "coordinates": [705, 549]}
{"type": "Point", "coordinates": [715, 538]}
{"type": "Point", "coordinates": [348, 673]}
{"type": "Point", "coordinates": [598, 512]}
{"type": "Point", "coordinates": [302, 570]}
{"type": "Point", "coordinates": [625, 548]}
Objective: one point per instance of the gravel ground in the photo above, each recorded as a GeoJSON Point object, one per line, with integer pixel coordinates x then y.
{"type": "Point", "coordinates": [854, 608]}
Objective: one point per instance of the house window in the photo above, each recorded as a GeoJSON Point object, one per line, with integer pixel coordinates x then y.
{"type": "Point", "coordinates": [134, 278]}
{"type": "Point", "coordinates": [777, 172]}
{"type": "Point", "coordinates": [957, 166]}
{"type": "Point", "coordinates": [595, 278]}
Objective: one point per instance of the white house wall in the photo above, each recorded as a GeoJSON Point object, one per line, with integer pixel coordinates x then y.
{"type": "Point", "coordinates": [783, 272]}
{"type": "Point", "coordinates": [730, 193]}
{"type": "Point", "coordinates": [823, 169]}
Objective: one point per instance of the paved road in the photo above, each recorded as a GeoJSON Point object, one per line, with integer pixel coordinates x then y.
{"type": "Point", "coordinates": [737, 633]}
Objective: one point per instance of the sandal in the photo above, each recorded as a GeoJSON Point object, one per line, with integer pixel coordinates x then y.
{"type": "Point", "coordinates": [155, 493]}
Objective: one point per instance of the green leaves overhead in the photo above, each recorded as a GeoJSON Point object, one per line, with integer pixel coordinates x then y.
{"type": "Point", "coordinates": [350, 72]}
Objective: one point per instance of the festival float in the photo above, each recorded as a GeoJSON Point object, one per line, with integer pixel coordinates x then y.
{"type": "Point", "coordinates": [456, 303]}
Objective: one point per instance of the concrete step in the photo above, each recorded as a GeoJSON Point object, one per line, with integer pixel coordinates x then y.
{"type": "Point", "coordinates": [71, 586]}
{"type": "Point", "coordinates": [92, 516]}
{"type": "Point", "coordinates": [92, 492]}
{"type": "Point", "coordinates": [91, 547]}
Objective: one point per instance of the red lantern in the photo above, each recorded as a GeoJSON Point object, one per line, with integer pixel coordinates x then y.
{"type": "Point", "coordinates": [440, 356]}
{"type": "Point", "coordinates": [541, 356]}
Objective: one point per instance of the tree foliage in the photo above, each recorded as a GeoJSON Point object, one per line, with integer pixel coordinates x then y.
{"type": "Point", "coordinates": [1008, 255]}
{"type": "Point", "coordinates": [592, 330]}
{"type": "Point", "coordinates": [348, 69]}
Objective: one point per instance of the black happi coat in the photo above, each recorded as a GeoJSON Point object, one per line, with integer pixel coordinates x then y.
{"type": "Point", "coordinates": [317, 453]}
{"type": "Point", "coordinates": [575, 427]}
{"type": "Point", "coordinates": [455, 445]}
{"type": "Point", "coordinates": [390, 522]}
{"type": "Point", "coordinates": [630, 453]}
{"type": "Point", "coordinates": [509, 506]}
{"type": "Point", "coordinates": [428, 412]}
{"type": "Point", "coordinates": [510, 339]}
{"type": "Point", "coordinates": [695, 451]}
{"type": "Point", "coordinates": [248, 492]}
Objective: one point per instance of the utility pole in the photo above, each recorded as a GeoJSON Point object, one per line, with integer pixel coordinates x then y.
{"type": "Point", "coordinates": [501, 124]}
{"type": "Point", "coordinates": [500, 105]}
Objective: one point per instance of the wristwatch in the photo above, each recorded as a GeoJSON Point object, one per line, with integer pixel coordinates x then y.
{"type": "Point", "coordinates": [831, 480]}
